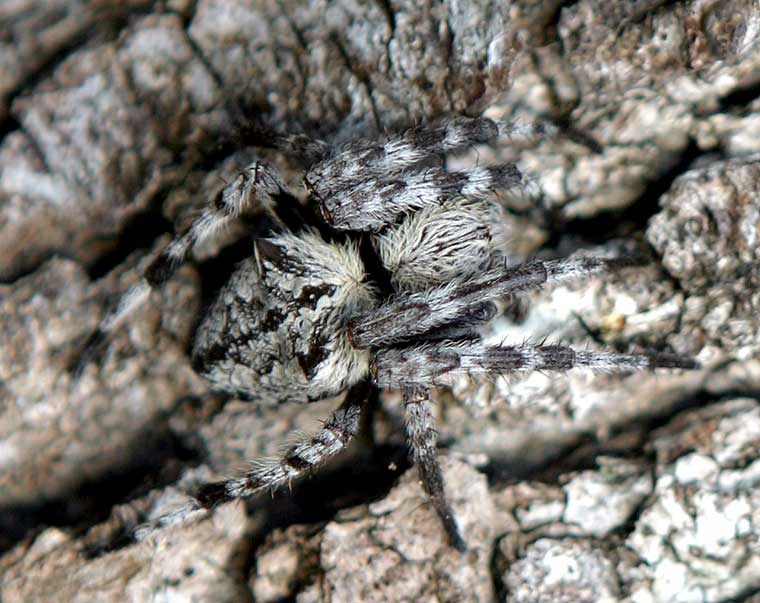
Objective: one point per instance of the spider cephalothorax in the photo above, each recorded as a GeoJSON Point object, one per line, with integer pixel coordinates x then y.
{"type": "Point", "coordinates": [306, 318]}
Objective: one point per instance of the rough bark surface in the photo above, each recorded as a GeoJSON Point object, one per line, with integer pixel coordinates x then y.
{"type": "Point", "coordinates": [120, 119]}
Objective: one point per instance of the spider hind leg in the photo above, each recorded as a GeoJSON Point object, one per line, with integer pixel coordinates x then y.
{"type": "Point", "coordinates": [335, 435]}
{"type": "Point", "coordinates": [422, 437]}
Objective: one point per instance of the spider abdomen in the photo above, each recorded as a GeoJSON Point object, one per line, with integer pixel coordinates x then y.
{"type": "Point", "coordinates": [277, 330]}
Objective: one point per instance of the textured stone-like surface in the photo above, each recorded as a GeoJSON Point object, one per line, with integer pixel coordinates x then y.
{"type": "Point", "coordinates": [96, 143]}
{"type": "Point", "coordinates": [199, 563]}
{"type": "Point", "coordinates": [562, 571]}
{"type": "Point", "coordinates": [58, 432]}
{"type": "Point", "coordinates": [684, 532]}
{"type": "Point", "coordinates": [697, 540]}
{"type": "Point", "coordinates": [115, 110]}
{"type": "Point", "coordinates": [37, 33]}
{"type": "Point", "coordinates": [396, 548]}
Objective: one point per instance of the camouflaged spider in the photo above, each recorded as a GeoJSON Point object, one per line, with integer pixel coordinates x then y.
{"type": "Point", "coordinates": [310, 316]}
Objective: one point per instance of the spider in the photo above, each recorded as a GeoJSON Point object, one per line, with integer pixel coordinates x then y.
{"type": "Point", "coordinates": [387, 289]}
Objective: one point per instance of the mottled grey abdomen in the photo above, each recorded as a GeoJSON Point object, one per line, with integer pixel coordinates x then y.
{"type": "Point", "coordinates": [276, 331]}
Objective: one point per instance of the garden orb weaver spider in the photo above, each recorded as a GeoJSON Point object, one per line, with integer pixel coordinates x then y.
{"type": "Point", "coordinates": [309, 316]}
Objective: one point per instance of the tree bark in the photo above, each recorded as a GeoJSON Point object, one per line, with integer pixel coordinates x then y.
{"type": "Point", "coordinates": [119, 120]}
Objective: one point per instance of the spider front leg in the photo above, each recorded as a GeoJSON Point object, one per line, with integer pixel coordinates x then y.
{"type": "Point", "coordinates": [368, 186]}
{"type": "Point", "coordinates": [411, 315]}
{"type": "Point", "coordinates": [438, 363]}
{"type": "Point", "coordinates": [422, 437]}
{"type": "Point", "coordinates": [334, 436]}
{"type": "Point", "coordinates": [362, 159]}
{"type": "Point", "coordinates": [371, 203]}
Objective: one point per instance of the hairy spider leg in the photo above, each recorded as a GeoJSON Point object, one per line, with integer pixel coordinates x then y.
{"type": "Point", "coordinates": [423, 438]}
{"type": "Point", "coordinates": [368, 158]}
{"type": "Point", "coordinates": [411, 315]}
{"type": "Point", "coordinates": [438, 363]}
{"type": "Point", "coordinates": [334, 436]}
{"type": "Point", "coordinates": [372, 203]}
{"type": "Point", "coordinates": [367, 186]}
{"type": "Point", "coordinates": [256, 189]}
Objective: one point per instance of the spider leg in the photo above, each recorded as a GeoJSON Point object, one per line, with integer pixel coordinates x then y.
{"type": "Point", "coordinates": [422, 437]}
{"type": "Point", "coordinates": [399, 152]}
{"type": "Point", "coordinates": [371, 203]}
{"type": "Point", "coordinates": [465, 302]}
{"type": "Point", "coordinates": [334, 436]}
{"type": "Point", "coordinates": [438, 363]}
{"type": "Point", "coordinates": [258, 188]}
{"type": "Point", "coordinates": [365, 186]}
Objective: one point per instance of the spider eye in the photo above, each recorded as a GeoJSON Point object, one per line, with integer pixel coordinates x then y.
{"type": "Point", "coordinates": [483, 312]}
